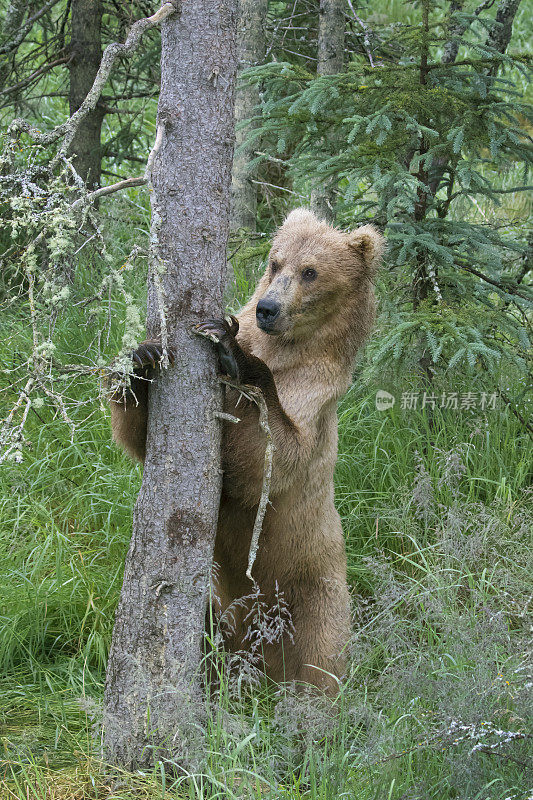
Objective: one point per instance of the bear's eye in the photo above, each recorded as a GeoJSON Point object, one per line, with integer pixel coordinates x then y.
{"type": "Point", "coordinates": [309, 274]}
{"type": "Point", "coordinates": [274, 267]}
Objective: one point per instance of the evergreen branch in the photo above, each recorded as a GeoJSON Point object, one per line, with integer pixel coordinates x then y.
{"type": "Point", "coordinates": [466, 62]}
{"type": "Point", "coordinates": [511, 190]}
{"type": "Point", "coordinates": [502, 287]}
{"type": "Point", "coordinates": [500, 45]}
{"type": "Point", "coordinates": [489, 192]}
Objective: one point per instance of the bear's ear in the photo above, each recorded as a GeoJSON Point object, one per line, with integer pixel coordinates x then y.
{"type": "Point", "coordinates": [301, 216]}
{"type": "Point", "coordinates": [369, 244]}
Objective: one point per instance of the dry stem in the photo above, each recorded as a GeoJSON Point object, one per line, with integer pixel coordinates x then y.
{"type": "Point", "coordinates": [255, 394]}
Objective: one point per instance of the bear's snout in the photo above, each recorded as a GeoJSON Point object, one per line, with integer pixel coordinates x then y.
{"type": "Point", "coordinates": [266, 313]}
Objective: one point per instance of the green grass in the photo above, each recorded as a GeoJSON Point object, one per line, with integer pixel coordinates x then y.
{"type": "Point", "coordinates": [437, 518]}
{"type": "Point", "coordinates": [439, 562]}
{"type": "Point", "coordinates": [439, 635]}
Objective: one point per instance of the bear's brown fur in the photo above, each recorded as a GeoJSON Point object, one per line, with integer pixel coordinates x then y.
{"type": "Point", "coordinates": [319, 281]}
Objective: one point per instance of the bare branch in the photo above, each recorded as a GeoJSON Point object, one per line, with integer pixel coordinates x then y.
{"type": "Point", "coordinates": [267, 478]}
{"type": "Point", "coordinates": [281, 188]}
{"type": "Point", "coordinates": [68, 129]}
{"type": "Point", "coordinates": [256, 396]}
{"type": "Point", "coordinates": [11, 45]}
{"type": "Point", "coordinates": [366, 30]}
{"type": "Point", "coordinates": [42, 69]}
{"type": "Point", "coordinates": [127, 183]}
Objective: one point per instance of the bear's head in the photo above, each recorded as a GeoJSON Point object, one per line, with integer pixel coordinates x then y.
{"type": "Point", "coordinates": [315, 271]}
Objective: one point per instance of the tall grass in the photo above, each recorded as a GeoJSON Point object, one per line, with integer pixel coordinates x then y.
{"type": "Point", "coordinates": [437, 512]}
{"type": "Point", "coordinates": [437, 520]}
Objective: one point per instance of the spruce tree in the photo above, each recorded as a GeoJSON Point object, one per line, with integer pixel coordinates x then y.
{"type": "Point", "coordinates": [425, 135]}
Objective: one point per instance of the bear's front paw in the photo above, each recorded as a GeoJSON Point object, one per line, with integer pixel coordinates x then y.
{"type": "Point", "coordinates": [222, 333]}
{"type": "Point", "coordinates": [149, 354]}
{"type": "Point", "coordinates": [146, 358]}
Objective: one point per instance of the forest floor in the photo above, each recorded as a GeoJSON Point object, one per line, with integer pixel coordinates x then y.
{"type": "Point", "coordinates": [437, 516]}
{"type": "Point", "coordinates": [437, 511]}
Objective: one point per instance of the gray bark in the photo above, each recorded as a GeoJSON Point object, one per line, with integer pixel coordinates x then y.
{"type": "Point", "coordinates": [500, 35]}
{"type": "Point", "coordinates": [457, 30]}
{"type": "Point", "coordinates": [331, 37]}
{"type": "Point", "coordinates": [331, 25]}
{"type": "Point", "coordinates": [86, 51]}
{"type": "Point", "coordinates": [251, 45]}
{"type": "Point", "coordinates": [152, 692]}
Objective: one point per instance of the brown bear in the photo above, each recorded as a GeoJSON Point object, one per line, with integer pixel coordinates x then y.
{"type": "Point", "coordinates": [296, 340]}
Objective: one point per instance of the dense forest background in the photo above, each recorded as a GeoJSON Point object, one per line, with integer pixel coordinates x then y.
{"type": "Point", "coordinates": [415, 116]}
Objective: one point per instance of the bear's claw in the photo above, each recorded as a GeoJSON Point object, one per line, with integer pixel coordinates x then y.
{"type": "Point", "coordinates": [218, 327]}
{"type": "Point", "coordinates": [149, 354]}
{"type": "Point", "coordinates": [222, 333]}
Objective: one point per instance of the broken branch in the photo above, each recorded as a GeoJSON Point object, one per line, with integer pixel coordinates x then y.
{"type": "Point", "coordinates": [127, 183]}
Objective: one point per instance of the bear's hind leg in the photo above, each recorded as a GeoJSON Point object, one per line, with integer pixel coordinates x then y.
{"type": "Point", "coordinates": [321, 619]}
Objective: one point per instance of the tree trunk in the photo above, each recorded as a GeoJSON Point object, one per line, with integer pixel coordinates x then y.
{"type": "Point", "coordinates": [86, 51]}
{"type": "Point", "coordinates": [331, 25]}
{"type": "Point", "coordinates": [500, 34]}
{"type": "Point", "coordinates": [330, 37]}
{"type": "Point", "coordinates": [250, 51]}
{"type": "Point", "coordinates": [12, 21]}
{"type": "Point", "coordinates": [153, 683]}
{"type": "Point", "coordinates": [421, 285]}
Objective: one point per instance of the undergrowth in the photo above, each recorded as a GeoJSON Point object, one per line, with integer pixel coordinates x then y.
{"type": "Point", "coordinates": [437, 515]}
